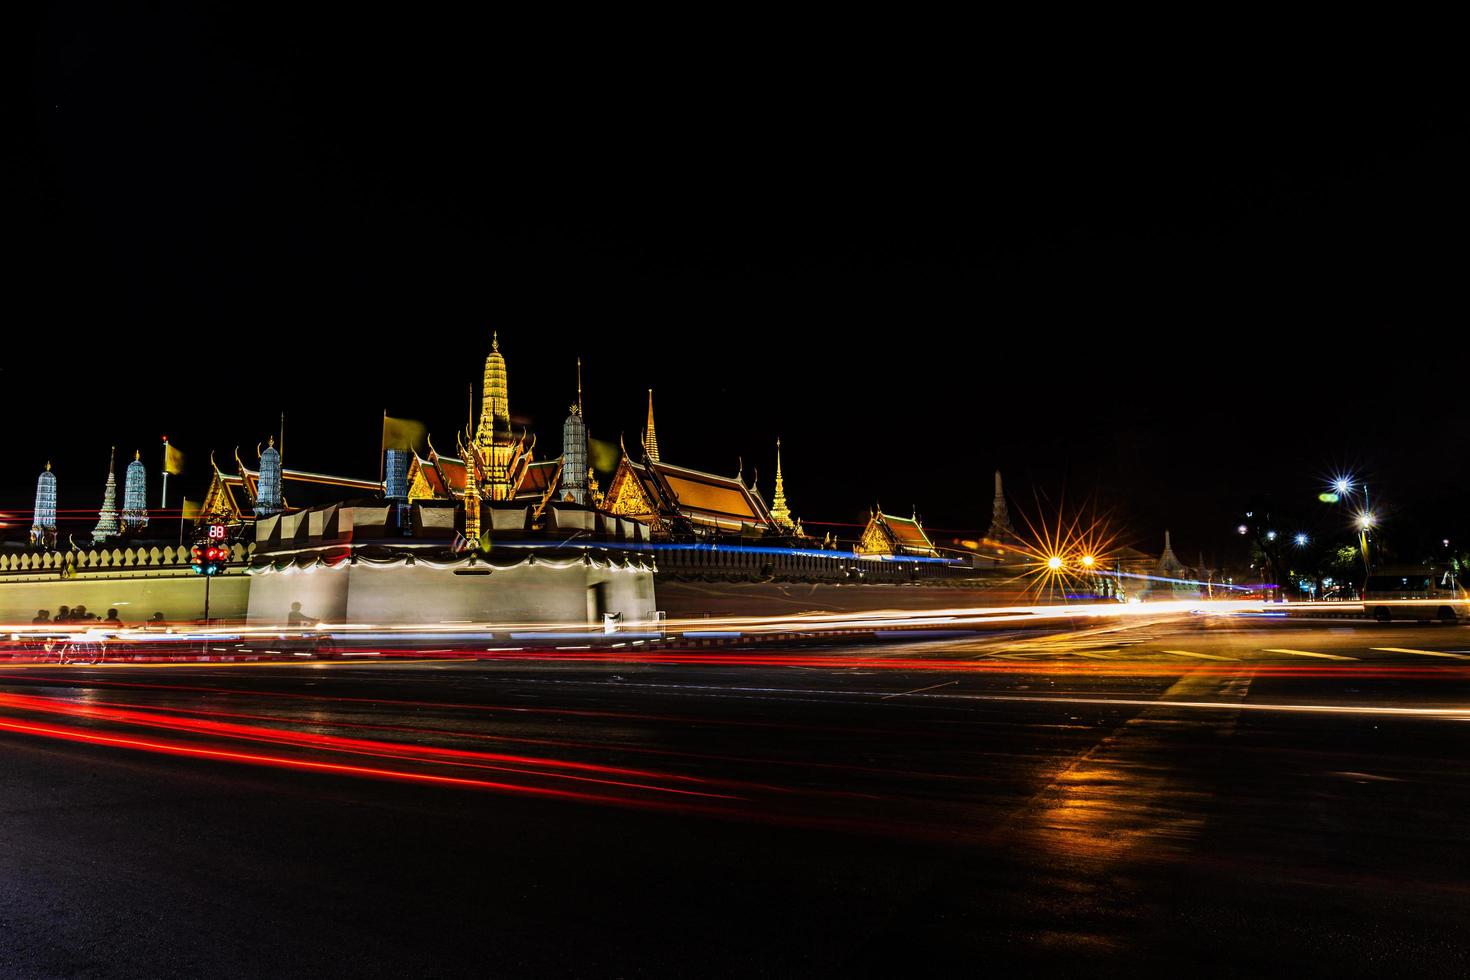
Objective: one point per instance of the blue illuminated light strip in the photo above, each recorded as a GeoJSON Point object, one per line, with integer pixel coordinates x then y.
{"type": "Point", "coordinates": [730, 548]}
{"type": "Point", "coordinates": [1181, 581]}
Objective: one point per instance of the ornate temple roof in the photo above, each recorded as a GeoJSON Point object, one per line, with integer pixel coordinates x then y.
{"type": "Point", "coordinates": [540, 477]}
{"type": "Point", "coordinates": [704, 499]}
{"type": "Point", "coordinates": [890, 535]}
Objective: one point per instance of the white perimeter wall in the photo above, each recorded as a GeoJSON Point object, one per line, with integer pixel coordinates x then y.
{"type": "Point", "coordinates": [531, 594]}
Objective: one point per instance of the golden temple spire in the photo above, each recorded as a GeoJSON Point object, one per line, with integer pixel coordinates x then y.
{"type": "Point", "coordinates": [579, 386]}
{"type": "Point", "coordinates": [471, 503]}
{"type": "Point", "coordinates": [493, 437]}
{"type": "Point", "coordinates": [650, 438]}
{"type": "Point", "coordinates": [137, 455]}
{"type": "Point", "coordinates": [780, 512]}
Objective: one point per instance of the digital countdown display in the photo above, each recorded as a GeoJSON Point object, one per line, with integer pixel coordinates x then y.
{"type": "Point", "coordinates": [217, 532]}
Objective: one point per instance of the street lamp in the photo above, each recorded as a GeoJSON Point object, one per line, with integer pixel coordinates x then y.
{"type": "Point", "coordinates": [1054, 562]}
{"type": "Point", "coordinates": [1300, 540]}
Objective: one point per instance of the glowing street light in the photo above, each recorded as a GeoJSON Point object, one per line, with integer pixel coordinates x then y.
{"type": "Point", "coordinates": [1270, 535]}
{"type": "Point", "coordinates": [1300, 540]}
{"type": "Point", "coordinates": [1342, 485]}
{"type": "Point", "coordinates": [1365, 521]}
{"type": "Point", "coordinates": [1088, 561]}
{"type": "Point", "coordinates": [1242, 529]}
{"type": "Point", "coordinates": [1054, 562]}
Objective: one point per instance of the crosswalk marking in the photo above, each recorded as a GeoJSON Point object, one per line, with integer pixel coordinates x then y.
{"type": "Point", "coordinates": [1306, 653]}
{"type": "Point", "coordinates": [1422, 653]}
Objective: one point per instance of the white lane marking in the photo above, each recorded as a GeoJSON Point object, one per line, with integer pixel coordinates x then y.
{"type": "Point", "coordinates": [1422, 653]}
{"type": "Point", "coordinates": [1441, 714]}
{"type": "Point", "coordinates": [918, 690]}
{"type": "Point", "coordinates": [1306, 653]}
{"type": "Point", "coordinates": [1447, 714]}
{"type": "Point", "coordinates": [1202, 656]}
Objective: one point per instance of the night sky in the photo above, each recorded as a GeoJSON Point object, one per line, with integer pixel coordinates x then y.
{"type": "Point", "coordinates": [1156, 304]}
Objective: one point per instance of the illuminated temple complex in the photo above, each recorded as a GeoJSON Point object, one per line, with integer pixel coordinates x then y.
{"type": "Point", "coordinates": [489, 502]}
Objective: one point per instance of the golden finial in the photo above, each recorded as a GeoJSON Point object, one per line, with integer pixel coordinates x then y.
{"type": "Point", "coordinates": [579, 386]}
{"type": "Point", "coordinates": [495, 341]}
{"type": "Point", "coordinates": [650, 437]}
{"type": "Point", "coordinates": [137, 455]}
{"type": "Point", "coordinates": [779, 508]}
{"type": "Point", "coordinates": [271, 442]}
{"type": "Point", "coordinates": [48, 466]}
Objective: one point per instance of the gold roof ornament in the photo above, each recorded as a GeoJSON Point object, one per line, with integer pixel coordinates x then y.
{"type": "Point", "coordinates": [780, 511]}
{"type": "Point", "coordinates": [650, 437]}
{"type": "Point", "coordinates": [471, 503]}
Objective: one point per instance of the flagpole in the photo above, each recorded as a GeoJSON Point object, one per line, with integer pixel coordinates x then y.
{"type": "Point", "coordinates": [382, 450]}
{"type": "Point", "coordinates": [163, 504]}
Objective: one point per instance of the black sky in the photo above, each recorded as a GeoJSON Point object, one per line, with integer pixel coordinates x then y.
{"type": "Point", "coordinates": [1159, 301]}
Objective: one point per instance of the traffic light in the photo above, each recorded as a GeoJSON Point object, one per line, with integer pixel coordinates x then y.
{"type": "Point", "coordinates": [209, 558]}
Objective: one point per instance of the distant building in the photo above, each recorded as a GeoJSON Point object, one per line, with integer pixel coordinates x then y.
{"type": "Point", "coordinates": [1000, 530]}
{"type": "Point", "coordinates": [1171, 578]}
{"type": "Point", "coordinates": [897, 536]}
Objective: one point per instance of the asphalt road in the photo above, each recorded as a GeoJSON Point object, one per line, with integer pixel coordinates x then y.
{"type": "Point", "coordinates": [1239, 796]}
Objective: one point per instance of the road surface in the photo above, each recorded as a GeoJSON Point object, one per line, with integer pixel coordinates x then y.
{"type": "Point", "coordinates": [1222, 795]}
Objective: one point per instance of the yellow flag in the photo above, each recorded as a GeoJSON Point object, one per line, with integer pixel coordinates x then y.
{"type": "Point", "coordinates": [173, 460]}
{"type": "Point", "coordinates": [604, 455]}
{"type": "Point", "coordinates": [402, 433]}
{"type": "Point", "coordinates": [191, 509]}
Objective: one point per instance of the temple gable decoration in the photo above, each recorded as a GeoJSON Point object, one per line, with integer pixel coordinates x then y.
{"type": "Point", "coordinates": [896, 536]}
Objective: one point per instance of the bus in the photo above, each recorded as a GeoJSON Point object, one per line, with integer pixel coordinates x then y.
{"type": "Point", "coordinates": [1414, 592]}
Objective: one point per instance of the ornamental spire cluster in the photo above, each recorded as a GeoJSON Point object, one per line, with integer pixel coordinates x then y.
{"type": "Point", "coordinates": [1000, 516]}
{"type": "Point", "coordinates": [493, 436]}
{"type": "Point", "coordinates": [574, 449]}
{"type": "Point", "coordinates": [107, 526]}
{"type": "Point", "coordinates": [780, 511]}
{"type": "Point", "coordinates": [43, 520]}
{"type": "Point", "coordinates": [268, 488]}
{"type": "Point", "coordinates": [135, 495]}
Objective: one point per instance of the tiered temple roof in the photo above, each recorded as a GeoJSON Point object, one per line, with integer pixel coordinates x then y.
{"type": "Point", "coordinates": [677, 498]}
{"type": "Point", "coordinates": [899, 536]}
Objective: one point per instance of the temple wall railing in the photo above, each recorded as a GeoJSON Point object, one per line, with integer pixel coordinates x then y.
{"type": "Point", "coordinates": [111, 562]}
